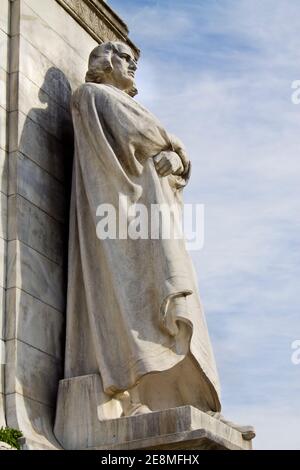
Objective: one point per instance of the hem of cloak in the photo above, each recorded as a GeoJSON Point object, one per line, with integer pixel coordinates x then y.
{"type": "Point", "coordinates": [216, 405]}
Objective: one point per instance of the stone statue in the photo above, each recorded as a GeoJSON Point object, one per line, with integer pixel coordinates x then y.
{"type": "Point", "coordinates": [134, 316]}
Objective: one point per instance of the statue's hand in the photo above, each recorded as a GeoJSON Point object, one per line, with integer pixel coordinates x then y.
{"type": "Point", "coordinates": [167, 163]}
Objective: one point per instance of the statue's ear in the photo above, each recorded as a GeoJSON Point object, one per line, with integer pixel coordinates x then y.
{"type": "Point", "coordinates": [108, 67]}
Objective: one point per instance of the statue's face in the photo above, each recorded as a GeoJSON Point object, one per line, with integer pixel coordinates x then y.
{"type": "Point", "coordinates": [124, 67]}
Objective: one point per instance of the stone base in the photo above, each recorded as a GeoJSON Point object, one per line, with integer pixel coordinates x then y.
{"type": "Point", "coordinates": [30, 444]}
{"type": "Point", "coordinates": [79, 427]}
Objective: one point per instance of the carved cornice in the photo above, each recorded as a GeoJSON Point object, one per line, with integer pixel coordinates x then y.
{"type": "Point", "coordinates": [99, 20]}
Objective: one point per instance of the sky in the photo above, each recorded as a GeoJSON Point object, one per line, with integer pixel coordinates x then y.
{"type": "Point", "coordinates": [218, 74]}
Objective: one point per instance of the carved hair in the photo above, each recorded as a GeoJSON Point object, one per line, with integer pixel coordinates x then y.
{"type": "Point", "coordinates": [100, 64]}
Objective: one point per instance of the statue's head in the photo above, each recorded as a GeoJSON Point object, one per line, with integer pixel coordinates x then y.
{"type": "Point", "coordinates": [113, 63]}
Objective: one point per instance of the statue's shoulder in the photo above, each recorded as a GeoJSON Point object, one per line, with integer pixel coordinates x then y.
{"type": "Point", "coordinates": [91, 89]}
{"type": "Point", "coordinates": [88, 92]}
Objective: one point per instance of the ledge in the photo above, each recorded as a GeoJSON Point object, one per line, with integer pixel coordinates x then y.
{"type": "Point", "coordinates": [79, 424]}
{"type": "Point", "coordinates": [99, 20]}
{"type": "Point", "coordinates": [183, 428]}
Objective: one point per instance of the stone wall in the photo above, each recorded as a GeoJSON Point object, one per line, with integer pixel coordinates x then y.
{"type": "Point", "coordinates": [4, 44]}
{"type": "Point", "coordinates": [44, 47]}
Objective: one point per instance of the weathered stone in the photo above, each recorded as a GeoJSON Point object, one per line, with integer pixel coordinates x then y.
{"type": "Point", "coordinates": [2, 369]}
{"type": "Point", "coordinates": [36, 30]}
{"type": "Point", "coordinates": [2, 314]}
{"type": "Point", "coordinates": [3, 129]}
{"type": "Point", "coordinates": [186, 427]}
{"type": "Point", "coordinates": [99, 20]}
{"type": "Point", "coordinates": [26, 320]}
{"type": "Point", "coordinates": [3, 215]}
{"type": "Point", "coordinates": [38, 106]}
{"type": "Point", "coordinates": [2, 408]}
{"type": "Point", "coordinates": [73, 35]}
{"type": "Point", "coordinates": [37, 186]}
{"type": "Point", "coordinates": [48, 57]}
{"type": "Point", "coordinates": [3, 257]}
{"type": "Point", "coordinates": [3, 171]}
{"type": "Point", "coordinates": [160, 333]}
{"type": "Point", "coordinates": [35, 228]}
{"type": "Point", "coordinates": [4, 16]}
{"type": "Point", "coordinates": [31, 372]}
{"type": "Point", "coordinates": [3, 50]}
{"type": "Point", "coordinates": [29, 138]}
{"type": "Point", "coordinates": [3, 88]}
{"type": "Point", "coordinates": [46, 77]}
{"type": "Point", "coordinates": [4, 67]}
{"type": "Point", "coordinates": [35, 274]}
{"type": "Point", "coordinates": [34, 419]}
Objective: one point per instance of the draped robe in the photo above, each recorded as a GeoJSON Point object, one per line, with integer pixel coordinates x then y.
{"type": "Point", "coordinates": [134, 314]}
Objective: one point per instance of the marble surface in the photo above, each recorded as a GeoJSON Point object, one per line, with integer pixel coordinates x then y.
{"type": "Point", "coordinates": [4, 16]}
{"type": "Point", "coordinates": [48, 58]}
{"type": "Point", "coordinates": [35, 274]}
{"type": "Point", "coordinates": [25, 321]}
{"type": "Point", "coordinates": [39, 382]}
{"type": "Point", "coordinates": [178, 428]}
{"type": "Point", "coordinates": [35, 228]}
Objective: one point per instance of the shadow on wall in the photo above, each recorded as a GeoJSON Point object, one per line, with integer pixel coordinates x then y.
{"type": "Point", "coordinates": [44, 163]}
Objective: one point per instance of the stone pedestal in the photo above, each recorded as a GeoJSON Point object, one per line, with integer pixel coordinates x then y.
{"type": "Point", "coordinates": [79, 426]}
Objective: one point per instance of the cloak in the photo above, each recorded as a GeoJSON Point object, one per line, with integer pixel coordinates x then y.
{"type": "Point", "coordinates": [134, 314]}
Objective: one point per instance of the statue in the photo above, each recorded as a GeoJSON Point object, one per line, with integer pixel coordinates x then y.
{"type": "Point", "coordinates": [134, 315]}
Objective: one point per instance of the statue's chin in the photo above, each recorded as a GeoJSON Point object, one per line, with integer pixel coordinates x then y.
{"type": "Point", "coordinates": [130, 87]}
{"type": "Point", "coordinates": [127, 85]}
{"type": "Point", "coordinates": [133, 91]}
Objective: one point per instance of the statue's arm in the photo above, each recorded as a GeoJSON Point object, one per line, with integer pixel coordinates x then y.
{"type": "Point", "coordinates": [174, 161]}
{"type": "Point", "coordinates": [179, 149]}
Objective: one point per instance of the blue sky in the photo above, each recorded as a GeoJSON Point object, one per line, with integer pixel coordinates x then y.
{"type": "Point", "coordinates": [218, 74]}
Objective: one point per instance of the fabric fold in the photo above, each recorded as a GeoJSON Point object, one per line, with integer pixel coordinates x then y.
{"type": "Point", "coordinates": [133, 307]}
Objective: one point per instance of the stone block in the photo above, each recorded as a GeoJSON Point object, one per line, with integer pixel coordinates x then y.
{"type": "Point", "coordinates": [37, 186]}
{"type": "Point", "coordinates": [3, 88]}
{"type": "Point", "coordinates": [3, 171]}
{"type": "Point", "coordinates": [26, 62]}
{"type": "Point", "coordinates": [38, 106]}
{"type": "Point", "coordinates": [50, 43]}
{"type": "Point", "coordinates": [37, 144]}
{"type": "Point", "coordinates": [3, 215]}
{"type": "Point", "coordinates": [4, 50]}
{"type": "Point", "coordinates": [15, 17]}
{"type": "Point", "coordinates": [77, 425]}
{"type": "Point", "coordinates": [3, 257]}
{"type": "Point", "coordinates": [2, 371]}
{"type": "Point", "coordinates": [2, 362]}
{"type": "Point", "coordinates": [35, 228]}
{"type": "Point", "coordinates": [25, 413]}
{"type": "Point", "coordinates": [59, 20]}
{"type": "Point", "coordinates": [2, 413]}
{"type": "Point", "coordinates": [34, 323]}
{"type": "Point", "coordinates": [31, 372]}
{"type": "Point", "coordinates": [46, 77]}
{"type": "Point", "coordinates": [2, 395]}
{"type": "Point", "coordinates": [14, 54]}
{"type": "Point", "coordinates": [4, 16]}
{"type": "Point", "coordinates": [3, 129]}
{"type": "Point", "coordinates": [35, 274]}
{"type": "Point", "coordinates": [2, 313]}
